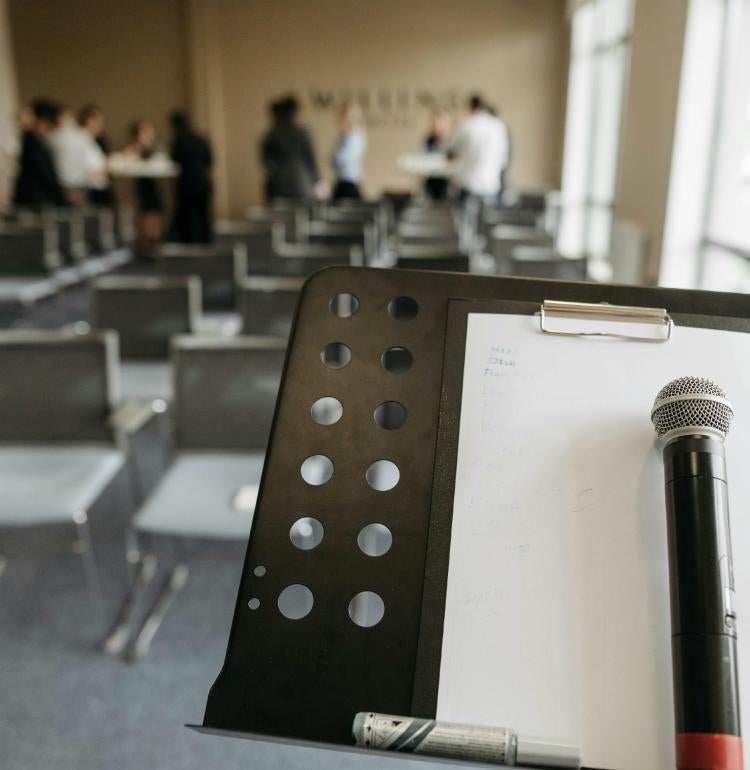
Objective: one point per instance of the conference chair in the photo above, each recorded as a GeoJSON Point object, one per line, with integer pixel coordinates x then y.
{"type": "Point", "coordinates": [257, 237]}
{"type": "Point", "coordinates": [287, 213]}
{"type": "Point", "coordinates": [268, 304]}
{"type": "Point", "coordinates": [225, 394]}
{"type": "Point", "coordinates": [303, 259]}
{"type": "Point", "coordinates": [61, 441]}
{"type": "Point", "coordinates": [98, 229]}
{"type": "Point", "coordinates": [545, 262]}
{"type": "Point", "coordinates": [29, 248]}
{"type": "Point", "coordinates": [219, 266]}
{"type": "Point", "coordinates": [432, 257]}
{"type": "Point", "coordinates": [146, 312]}
{"type": "Point", "coordinates": [435, 214]}
{"type": "Point", "coordinates": [352, 234]}
{"type": "Point", "coordinates": [513, 215]}
{"type": "Point", "coordinates": [504, 238]}
{"type": "Point", "coordinates": [71, 234]}
{"type": "Point", "coordinates": [378, 214]}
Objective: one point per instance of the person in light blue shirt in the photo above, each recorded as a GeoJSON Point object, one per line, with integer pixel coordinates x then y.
{"type": "Point", "coordinates": [349, 154]}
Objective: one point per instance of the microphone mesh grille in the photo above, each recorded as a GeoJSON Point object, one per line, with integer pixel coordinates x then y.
{"type": "Point", "coordinates": [696, 409]}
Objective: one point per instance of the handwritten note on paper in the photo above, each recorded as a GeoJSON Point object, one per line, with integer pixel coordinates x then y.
{"type": "Point", "coordinates": [557, 606]}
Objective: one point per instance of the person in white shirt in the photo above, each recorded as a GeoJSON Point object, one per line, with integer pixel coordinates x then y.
{"type": "Point", "coordinates": [480, 151]}
{"type": "Point", "coordinates": [349, 153]}
{"type": "Point", "coordinates": [70, 152]}
{"type": "Point", "coordinates": [91, 121]}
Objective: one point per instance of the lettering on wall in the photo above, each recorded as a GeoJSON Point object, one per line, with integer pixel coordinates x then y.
{"type": "Point", "coordinates": [387, 107]}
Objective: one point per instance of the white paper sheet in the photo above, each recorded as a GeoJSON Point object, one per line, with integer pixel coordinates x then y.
{"type": "Point", "coordinates": [557, 606]}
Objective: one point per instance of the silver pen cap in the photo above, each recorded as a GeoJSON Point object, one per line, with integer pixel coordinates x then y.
{"type": "Point", "coordinates": [537, 752]}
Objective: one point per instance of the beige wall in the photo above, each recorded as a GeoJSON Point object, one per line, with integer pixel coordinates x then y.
{"type": "Point", "coordinates": [649, 121]}
{"type": "Point", "coordinates": [128, 56]}
{"type": "Point", "coordinates": [385, 51]}
{"type": "Point", "coordinates": [8, 107]}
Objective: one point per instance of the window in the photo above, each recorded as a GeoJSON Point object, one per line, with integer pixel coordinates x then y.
{"type": "Point", "coordinates": [707, 234]}
{"type": "Point", "coordinates": [600, 54]}
{"type": "Point", "coordinates": [728, 215]}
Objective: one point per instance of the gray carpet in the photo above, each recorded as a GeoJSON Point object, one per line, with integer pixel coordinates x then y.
{"type": "Point", "coordinates": [66, 705]}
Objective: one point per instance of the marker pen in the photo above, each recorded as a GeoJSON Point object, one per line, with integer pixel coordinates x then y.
{"type": "Point", "coordinates": [494, 745]}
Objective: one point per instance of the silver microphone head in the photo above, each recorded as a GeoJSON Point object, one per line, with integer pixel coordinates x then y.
{"type": "Point", "coordinates": [691, 405]}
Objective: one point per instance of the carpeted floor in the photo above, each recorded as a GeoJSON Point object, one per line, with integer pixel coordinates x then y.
{"type": "Point", "coordinates": [66, 705]}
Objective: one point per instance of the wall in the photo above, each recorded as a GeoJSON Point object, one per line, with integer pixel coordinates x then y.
{"type": "Point", "coordinates": [8, 107]}
{"type": "Point", "coordinates": [649, 122]}
{"type": "Point", "coordinates": [128, 57]}
{"type": "Point", "coordinates": [394, 56]}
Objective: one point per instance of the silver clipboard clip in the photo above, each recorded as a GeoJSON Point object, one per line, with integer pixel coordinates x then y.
{"type": "Point", "coordinates": [603, 311]}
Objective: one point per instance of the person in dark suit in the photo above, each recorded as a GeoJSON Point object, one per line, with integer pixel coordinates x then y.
{"type": "Point", "coordinates": [436, 187]}
{"type": "Point", "coordinates": [37, 185]}
{"type": "Point", "coordinates": [288, 156]}
{"type": "Point", "coordinates": [192, 153]}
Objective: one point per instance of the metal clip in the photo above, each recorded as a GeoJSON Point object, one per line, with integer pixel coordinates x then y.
{"type": "Point", "coordinates": [603, 311]}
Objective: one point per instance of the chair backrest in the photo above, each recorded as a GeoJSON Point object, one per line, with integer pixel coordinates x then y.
{"type": "Point", "coordinates": [431, 257]}
{"type": "Point", "coordinates": [28, 249]}
{"type": "Point", "coordinates": [268, 303]}
{"type": "Point", "coordinates": [430, 215]}
{"type": "Point", "coordinates": [219, 266]}
{"type": "Point", "coordinates": [225, 390]}
{"type": "Point", "coordinates": [99, 229]}
{"type": "Point", "coordinates": [303, 259]}
{"type": "Point", "coordinates": [71, 232]}
{"type": "Point", "coordinates": [363, 236]}
{"type": "Point", "coordinates": [509, 216]}
{"type": "Point", "coordinates": [146, 311]}
{"type": "Point", "coordinates": [56, 385]}
{"type": "Point", "coordinates": [545, 262]}
{"type": "Point", "coordinates": [504, 238]}
{"type": "Point", "coordinates": [257, 238]}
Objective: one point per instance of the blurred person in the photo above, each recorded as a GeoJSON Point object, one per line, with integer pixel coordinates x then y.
{"type": "Point", "coordinates": [288, 156]}
{"type": "Point", "coordinates": [480, 153]}
{"type": "Point", "coordinates": [70, 154]}
{"type": "Point", "coordinates": [148, 196]}
{"type": "Point", "coordinates": [91, 121]}
{"type": "Point", "coordinates": [436, 187]}
{"type": "Point", "coordinates": [192, 153]}
{"type": "Point", "coordinates": [349, 153]}
{"type": "Point", "coordinates": [37, 184]}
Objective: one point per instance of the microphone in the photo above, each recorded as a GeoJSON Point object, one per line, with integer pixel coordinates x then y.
{"type": "Point", "coordinates": [692, 417]}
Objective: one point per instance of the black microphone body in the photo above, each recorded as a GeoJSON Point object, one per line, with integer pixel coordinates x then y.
{"type": "Point", "coordinates": [704, 637]}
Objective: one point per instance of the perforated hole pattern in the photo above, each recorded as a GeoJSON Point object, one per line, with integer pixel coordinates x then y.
{"type": "Point", "coordinates": [691, 412]}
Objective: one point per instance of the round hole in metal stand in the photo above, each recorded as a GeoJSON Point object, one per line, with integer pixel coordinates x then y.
{"type": "Point", "coordinates": [397, 360]}
{"type": "Point", "coordinates": [336, 355]}
{"type": "Point", "coordinates": [306, 533]}
{"type": "Point", "coordinates": [366, 609]}
{"type": "Point", "coordinates": [375, 540]}
{"type": "Point", "coordinates": [317, 470]}
{"type": "Point", "coordinates": [254, 603]}
{"type": "Point", "coordinates": [390, 415]}
{"type": "Point", "coordinates": [295, 601]}
{"type": "Point", "coordinates": [259, 571]}
{"type": "Point", "coordinates": [383, 475]}
{"type": "Point", "coordinates": [344, 305]}
{"type": "Point", "coordinates": [327, 410]}
{"type": "Point", "coordinates": [403, 308]}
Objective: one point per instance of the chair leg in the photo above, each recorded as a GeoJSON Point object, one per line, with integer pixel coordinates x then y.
{"type": "Point", "coordinates": [117, 637]}
{"type": "Point", "coordinates": [84, 547]}
{"type": "Point", "coordinates": [172, 585]}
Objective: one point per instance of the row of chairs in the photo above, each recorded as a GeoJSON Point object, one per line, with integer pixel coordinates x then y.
{"type": "Point", "coordinates": [147, 311]}
{"type": "Point", "coordinates": [44, 252]}
{"type": "Point", "coordinates": [66, 434]}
